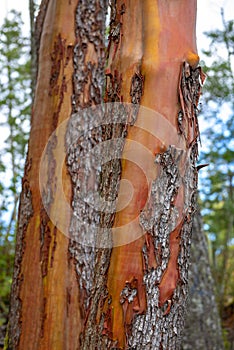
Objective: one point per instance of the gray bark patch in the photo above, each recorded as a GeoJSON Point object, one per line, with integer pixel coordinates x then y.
{"type": "Point", "coordinates": [160, 326]}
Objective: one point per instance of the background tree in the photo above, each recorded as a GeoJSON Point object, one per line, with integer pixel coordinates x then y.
{"type": "Point", "coordinates": [203, 323]}
{"type": "Point", "coordinates": [15, 114]}
{"type": "Point", "coordinates": [217, 189]}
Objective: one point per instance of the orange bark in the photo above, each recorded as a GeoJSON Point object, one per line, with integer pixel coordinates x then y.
{"type": "Point", "coordinates": [167, 33]}
{"type": "Point", "coordinates": [154, 39]}
{"type": "Point", "coordinates": [49, 292]}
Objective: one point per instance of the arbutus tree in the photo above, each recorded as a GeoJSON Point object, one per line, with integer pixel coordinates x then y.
{"type": "Point", "coordinates": [110, 182]}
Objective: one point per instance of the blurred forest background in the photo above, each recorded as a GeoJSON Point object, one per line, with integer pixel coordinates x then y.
{"type": "Point", "coordinates": [216, 191]}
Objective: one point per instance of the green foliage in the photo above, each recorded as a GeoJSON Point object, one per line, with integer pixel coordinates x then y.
{"type": "Point", "coordinates": [220, 83]}
{"type": "Point", "coordinates": [15, 104]}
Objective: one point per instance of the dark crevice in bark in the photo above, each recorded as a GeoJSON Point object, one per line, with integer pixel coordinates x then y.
{"type": "Point", "coordinates": [43, 317]}
{"type": "Point", "coordinates": [91, 260]}
{"type": "Point", "coordinates": [45, 237]}
{"type": "Point", "coordinates": [37, 30]}
{"type": "Point", "coordinates": [190, 85]}
{"type": "Point", "coordinates": [88, 77]}
{"type": "Point", "coordinates": [47, 201]}
{"type": "Point", "coordinates": [113, 87]}
{"type": "Point", "coordinates": [59, 58]}
{"type": "Point", "coordinates": [136, 92]}
{"type": "Point", "coordinates": [88, 84]}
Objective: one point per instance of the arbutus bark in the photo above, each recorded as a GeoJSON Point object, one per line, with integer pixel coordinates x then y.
{"type": "Point", "coordinates": [111, 273]}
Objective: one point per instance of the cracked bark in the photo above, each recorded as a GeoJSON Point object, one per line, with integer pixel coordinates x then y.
{"type": "Point", "coordinates": [123, 285]}
{"type": "Point", "coordinates": [43, 303]}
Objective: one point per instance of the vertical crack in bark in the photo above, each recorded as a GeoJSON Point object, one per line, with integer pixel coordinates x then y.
{"type": "Point", "coordinates": [113, 87]}
{"type": "Point", "coordinates": [37, 39]}
{"type": "Point", "coordinates": [101, 310]}
{"type": "Point", "coordinates": [91, 262]}
{"type": "Point", "coordinates": [190, 85]}
{"type": "Point", "coordinates": [47, 200]}
{"type": "Point", "coordinates": [46, 236]}
{"type": "Point", "coordinates": [88, 78]}
{"type": "Point", "coordinates": [60, 58]}
{"type": "Point", "coordinates": [136, 92]}
{"type": "Point", "coordinates": [88, 83]}
{"type": "Point", "coordinates": [92, 255]}
{"type": "Point", "coordinates": [114, 39]}
{"type": "Point", "coordinates": [25, 213]}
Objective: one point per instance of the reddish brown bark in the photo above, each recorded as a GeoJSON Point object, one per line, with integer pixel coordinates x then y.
{"type": "Point", "coordinates": [45, 285]}
{"type": "Point", "coordinates": [159, 40]}
{"type": "Point", "coordinates": [131, 295]}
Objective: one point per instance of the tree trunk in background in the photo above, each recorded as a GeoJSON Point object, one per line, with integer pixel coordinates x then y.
{"type": "Point", "coordinates": [202, 323]}
{"type": "Point", "coordinates": [121, 280]}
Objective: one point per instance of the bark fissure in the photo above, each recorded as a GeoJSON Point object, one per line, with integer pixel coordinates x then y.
{"type": "Point", "coordinates": [190, 84]}
{"type": "Point", "coordinates": [37, 39]}
{"type": "Point", "coordinates": [88, 83]}
{"type": "Point", "coordinates": [89, 54]}
{"type": "Point", "coordinates": [116, 294]}
{"type": "Point", "coordinates": [136, 92]}
{"type": "Point", "coordinates": [47, 202]}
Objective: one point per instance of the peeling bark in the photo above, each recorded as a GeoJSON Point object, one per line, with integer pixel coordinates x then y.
{"type": "Point", "coordinates": [190, 84]}
{"type": "Point", "coordinates": [124, 267]}
{"type": "Point", "coordinates": [147, 278]}
{"type": "Point", "coordinates": [42, 303]}
{"type": "Point", "coordinates": [166, 283]}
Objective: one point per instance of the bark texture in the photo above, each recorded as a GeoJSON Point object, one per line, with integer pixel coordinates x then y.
{"type": "Point", "coordinates": [146, 283]}
{"type": "Point", "coordinates": [202, 323]}
{"type": "Point", "coordinates": [120, 280]}
{"type": "Point", "coordinates": [44, 312]}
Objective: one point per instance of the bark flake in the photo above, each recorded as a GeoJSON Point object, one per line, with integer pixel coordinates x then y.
{"type": "Point", "coordinates": [190, 85]}
{"type": "Point", "coordinates": [166, 252]}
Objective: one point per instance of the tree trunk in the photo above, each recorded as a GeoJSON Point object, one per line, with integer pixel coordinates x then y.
{"type": "Point", "coordinates": [110, 270]}
{"type": "Point", "coordinates": [202, 322]}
